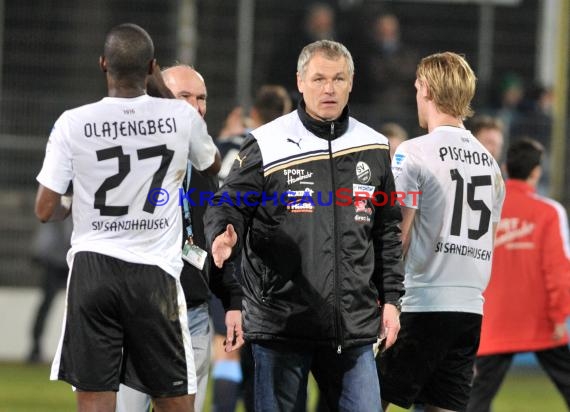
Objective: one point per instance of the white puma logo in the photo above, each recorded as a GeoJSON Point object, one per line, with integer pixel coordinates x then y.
{"type": "Point", "coordinates": [240, 160]}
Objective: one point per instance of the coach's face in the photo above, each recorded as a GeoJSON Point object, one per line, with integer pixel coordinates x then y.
{"type": "Point", "coordinates": [325, 85]}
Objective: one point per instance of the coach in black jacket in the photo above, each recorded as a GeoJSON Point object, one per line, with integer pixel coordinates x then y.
{"type": "Point", "coordinates": [318, 258]}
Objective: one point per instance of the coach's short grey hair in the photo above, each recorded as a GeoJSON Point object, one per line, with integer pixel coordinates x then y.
{"type": "Point", "coordinates": [331, 49]}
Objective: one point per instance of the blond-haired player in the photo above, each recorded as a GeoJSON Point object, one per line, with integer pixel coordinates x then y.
{"type": "Point", "coordinates": [448, 243]}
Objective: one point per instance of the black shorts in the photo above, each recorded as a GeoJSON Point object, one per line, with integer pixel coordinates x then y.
{"type": "Point", "coordinates": [125, 322]}
{"type": "Point", "coordinates": [432, 360]}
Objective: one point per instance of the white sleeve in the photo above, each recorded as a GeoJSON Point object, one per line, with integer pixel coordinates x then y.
{"type": "Point", "coordinates": [406, 170]}
{"type": "Point", "coordinates": [201, 150]}
{"type": "Point", "coordinates": [499, 186]}
{"type": "Point", "coordinates": [563, 227]}
{"type": "Point", "coordinates": [57, 170]}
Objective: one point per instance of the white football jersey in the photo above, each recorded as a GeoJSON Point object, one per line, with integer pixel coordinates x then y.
{"type": "Point", "coordinates": [448, 263]}
{"type": "Point", "coordinates": [126, 158]}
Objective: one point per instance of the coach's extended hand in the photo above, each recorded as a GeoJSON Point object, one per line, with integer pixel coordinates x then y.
{"type": "Point", "coordinates": [223, 245]}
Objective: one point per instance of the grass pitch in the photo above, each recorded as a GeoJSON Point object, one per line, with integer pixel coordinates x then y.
{"type": "Point", "coordinates": [26, 388]}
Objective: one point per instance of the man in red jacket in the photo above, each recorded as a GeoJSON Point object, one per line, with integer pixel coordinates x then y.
{"type": "Point", "coordinates": [528, 297]}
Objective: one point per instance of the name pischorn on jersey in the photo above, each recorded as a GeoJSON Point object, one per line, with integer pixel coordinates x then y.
{"type": "Point", "coordinates": [113, 130]}
{"type": "Point", "coordinates": [463, 250]}
{"type": "Point", "coordinates": [131, 224]}
{"type": "Point", "coordinates": [465, 156]}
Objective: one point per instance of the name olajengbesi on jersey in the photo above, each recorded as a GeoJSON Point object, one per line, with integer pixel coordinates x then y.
{"type": "Point", "coordinates": [130, 224]}
{"type": "Point", "coordinates": [463, 250]}
{"type": "Point", "coordinates": [113, 130]}
{"type": "Point", "coordinates": [465, 156]}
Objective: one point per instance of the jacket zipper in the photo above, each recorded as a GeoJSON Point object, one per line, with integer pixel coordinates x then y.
{"type": "Point", "coordinates": [338, 323]}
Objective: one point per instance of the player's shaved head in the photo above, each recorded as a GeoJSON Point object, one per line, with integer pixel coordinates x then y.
{"type": "Point", "coordinates": [128, 51]}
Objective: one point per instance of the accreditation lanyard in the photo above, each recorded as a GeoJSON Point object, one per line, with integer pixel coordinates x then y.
{"type": "Point", "coordinates": [186, 205]}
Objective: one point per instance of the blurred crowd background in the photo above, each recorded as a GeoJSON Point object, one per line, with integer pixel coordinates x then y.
{"type": "Point", "coordinates": [49, 54]}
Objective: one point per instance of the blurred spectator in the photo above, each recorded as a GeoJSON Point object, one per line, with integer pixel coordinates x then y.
{"type": "Point", "coordinates": [530, 282]}
{"type": "Point", "coordinates": [391, 67]}
{"type": "Point", "coordinates": [536, 121]}
{"type": "Point", "coordinates": [318, 24]}
{"type": "Point", "coordinates": [49, 248]}
{"type": "Point", "coordinates": [536, 118]}
{"type": "Point", "coordinates": [511, 96]}
{"type": "Point", "coordinates": [395, 133]}
{"type": "Point", "coordinates": [234, 125]}
{"type": "Point", "coordinates": [489, 131]}
{"type": "Point", "coordinates": [271, 101]}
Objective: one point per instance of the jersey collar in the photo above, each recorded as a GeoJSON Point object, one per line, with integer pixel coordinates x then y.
{"type": "Point", "coordinates": [320, 128]}
{"type": "Point", "coordinates": [519, 185]}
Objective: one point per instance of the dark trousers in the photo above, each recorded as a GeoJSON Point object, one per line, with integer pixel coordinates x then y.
{"type": "Point", "coordinates": [54, 279]}
{"type": "Point", "coordinates": [247, 370]}
{"type": "Point", "coordinates": [491, 370]}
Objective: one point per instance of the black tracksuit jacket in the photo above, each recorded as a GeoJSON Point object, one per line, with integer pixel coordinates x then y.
{"type": "Point", "coordinates": [312, 273]}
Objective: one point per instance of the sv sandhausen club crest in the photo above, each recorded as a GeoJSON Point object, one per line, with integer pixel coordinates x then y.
{"type": "Point", "coordinates": [363, 173]}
